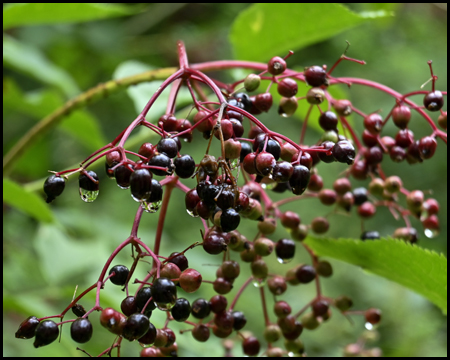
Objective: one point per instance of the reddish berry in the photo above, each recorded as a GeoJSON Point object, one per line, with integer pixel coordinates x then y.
{"type": "Point", "coordinates": [276, 65]}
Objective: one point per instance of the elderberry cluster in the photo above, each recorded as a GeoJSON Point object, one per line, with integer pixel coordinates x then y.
{"type": "Point", "coordinates": [235, 184]}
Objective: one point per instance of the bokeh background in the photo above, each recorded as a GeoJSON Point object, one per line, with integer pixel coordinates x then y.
{"type": "Point", "coordinates": [43, 263]}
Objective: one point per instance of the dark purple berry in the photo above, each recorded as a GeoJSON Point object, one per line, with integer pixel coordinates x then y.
{"type": "Point", "coordinates": [150, 336]}
{"type": "Point", "coordinates": [164, 291]}
{"type": "Point", "coordinates": [161, 160]}
{"type": "Point", "coordinates": [27, 328]}
{"type": "Point", "coordinates": [128, 305]}
{"type": "Point", "coordinates": [168, 146]}
{"type": "Point", "coordinates": [156, 192]}
{"type": "Point", "coordinates": [239, 320]}
{"type": "Point", "coordinates": [299, 179]}
{"type": "Point", "coordinates": [122, 174]}
{"type": "Point", "coordinates": [87, 184]}
{"type": "Point", "coordinates": [81, 330]}
{"type": "Point", "coordinates": [142, 297]}
{"type": "Point", "coordinates": [344, 152]}
{"type": "Point", "coordinates": [433, 101]}
{"type": "Point", "coordinates": [180, 260]}
{"type": "Point", "coordinates": [136, 326]}
{"type": "Point", "coordinates": [328, 120]}
{"type": "Point", "coordinates": [53, 187]}
{"type": "Point", "coordinates": [305, 274]}
{"type": "Point", "coordinates": [181, 310]}
{"type": "Point", "coordinates": [46, 332]}
{"type": "Point", "coordinates": [184, 166]}
{"type": "Point", "coordinates": [285, 249]}
{"type": "Point", "coordinates": [251, 346]}
{"type": "Point", "coordinates": [120, 275]}
{"type": "Point", "coordinates": [200, 308]}
{"type": "Point", "coordinates": [316, 76]}
{"type": "Point", "coordinates": [229, 220]}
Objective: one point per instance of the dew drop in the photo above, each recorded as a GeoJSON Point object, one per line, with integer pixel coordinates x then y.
{"type": "Point", "coordinates": [368, 326]}
{"type": "Point", "coordinates": [263, 186]}
{"type": "Point", "coordinates": [165, 306]}
{"type": "Point", "coordinates": [191, 213]}
{"type": "Point", "coordinates": [284, 261]}
{"type": "Point", "coordinates": [258, 283]}
{"type": "Point", "coordinates": [154, 206]}
{"type": "Point", "coordinates": [123, 187]}
{"type": "Point", "coordinates": [88, 196]}
{"type": "Point", "coordinates": [429, 233]}
{"type": "Point", "coordinates": [283, 114]}
{"type": "Point", "coordinates": [185, 139]}
{"type": "Point", "coordinates": [291, 354]}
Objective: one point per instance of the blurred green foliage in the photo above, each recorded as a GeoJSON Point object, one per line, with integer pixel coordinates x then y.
{"type": "Point", "coordinates": [42, 263]}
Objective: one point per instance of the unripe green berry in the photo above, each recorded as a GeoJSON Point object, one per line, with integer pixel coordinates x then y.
{"type": "Point", "coordinates": [272, 333]}
{"type": "Point", "coordinates": [264, 246]}
{"type": "Point", "coordinates": [259, 269]}
{"type": "Point", "coordinates": [252, 82]}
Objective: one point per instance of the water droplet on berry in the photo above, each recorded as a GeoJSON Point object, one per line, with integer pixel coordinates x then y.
{"type": "Point", "coordinates": [155, 205]}
{"type": "Point", "coordinates": [191, 213]}
{"type": "Point", "coordinates": [368, 326]}
{"type": "Point", "coordinates": [87, 195]}
{"type": "Point", "coordinates": [185, 139]}
{"type": "Point", "coordinates": [283, 114]}
{"type": "Point", "coordinates": [151, 207]}
{"type": "Point", "coordinates": [258, 283]}
{"type": "Point", "coordinates": [284, 261]}
{"type": "Point", "coordinates": [429, 233]}
{"type": "Point", "coordinates": [165, 306]}
{"type": "Point", "coordinates": [123, 187]}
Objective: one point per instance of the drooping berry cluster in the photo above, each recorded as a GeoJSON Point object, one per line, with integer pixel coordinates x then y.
{"type": "Point", "coordinates": [235, 184]}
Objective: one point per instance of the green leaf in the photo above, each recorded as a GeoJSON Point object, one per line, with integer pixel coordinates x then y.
{"type": "Point", "coordinates": [27, 202]}
{"type": "Point", "coordinates": [420, 270]}
{"type": "Point", "coordinates": [49, 13]}
{"type": "Point", "coordinates": [57, 251]}
{"type": "Point", "coordinates": [80, 124]}
{"type": "Point", "coordinates": [266, 30]}
{"type": "Point", "coordinates": [30, 61]}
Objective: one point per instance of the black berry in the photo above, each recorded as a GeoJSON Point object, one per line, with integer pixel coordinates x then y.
{"type": "Point", "coordinates": [120, 275]}
{"type": "Point", "coordinates": [81, 330]}
{"type": "Point", "coordinates": [53, 187]}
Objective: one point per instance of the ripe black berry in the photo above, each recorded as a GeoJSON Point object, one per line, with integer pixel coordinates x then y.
{"type": "Point", "coordinates": [180, 260]}
{"type": "Point", "coordinates": [184, 166]}
{"type": "Point", "coordinates": [53, 187]}
{"type": "Point", "coordinates": [141, 184]}
{"type": "Point", "coordinates": [136, 326]}
{"type": "Point", "coordinates": [299, 179]}
{"type": "Point", "coordinates": [46, 332]}
{"type": "Point", "coordinates": [239, 320]}
{"type": "Point", "coordinates": [142, 297]}
{"type": "Point", "coordinates": [168, 146]}
{"type": "Point", "coordinates": [181, 310]}
{"type": "Point", "coordinates": [285, 249]}
{"type": "Point", "coordinates": [122, 174]}
{"type": "Point", "coordinates": [344, 152]}
{"type": "Point", "coordinates": [360, 195]}
{"type": "Point", "coordinates": [120, 275]}
{"type": "Point", "coordinates": [161, 160]}
{"type": "Point", "coordinates": [81, 330]}
{"type": "Point", "coordinates": [156, 192]}
{"type": "Point", "coordinates": [87, 184]}
{"type": "Point", "coordinates": [27, 328]}
{"type": "Point", "coordinates": [328, 120]}
{"type": "Point", "coordinates": [229, 220]}
{"type": "Point", "coordinates": [164, 291]}
{"type": "Point", "coordinates": [200, 308]}
{"type": "Point", "coordinates": [128, 305]}
{"type": "Point", "coordinates": [150, 335]}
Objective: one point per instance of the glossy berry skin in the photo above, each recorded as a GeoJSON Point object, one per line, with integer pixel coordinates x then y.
{"type": "Point", "coordinates": [161, 160]}
{"type": "Point", "coordinates": [285, 249]}
{"type": "Point", "coordinates": [200, 308]}
{"type": "Point", "coordinates": [239, 320]}
{"type": "Point", "coordinates": [168, 146]}
{"type": "Point", "coordinates": [299, 179]}
{"type": "Point", "coordinates": [81, 330]}
{"type": "Point", "coordinates": [156, 192]}
{"type": "Point", "coordinates": [263, 102]}
{"type": "Point", "coordinates": [87, 184]}
{"type": "Point", "coordinates": [164, 291]}
{"type": "Point", "coordinates": [276, 65]}
{"type": "Point", "coordinates": [229, 220]}
{"type": "Point", "coordinates": [112, 320]}
{"type": "Point", "coordinates": [373, 123]}
{"type": "Point", "coordinates": [184, 166]}
{"type": "Point", "coordinates": [53, 187]}
{"type": "Point", "coordinates": [180, 260]}
{"type": "Point", "coordinates": [141, 184]}
{"type": "Point", "coordinates": [316, 76]}
{"type": "Point", "coordinates": [287, 87]}
{"type": "Point", "coordinates": [427, 147]}
{"type": "Point", "coordinates": [46, 332]}
{"type": "Point", "coordinates": [150, 335]}
{"type": "Point", "coordinates": [214, 243]}
{"type": "Point", "coordinates": [136, 326]}
{"type": "Point", "coordinates": [122, 174]}
{"type": "Point", "coordinates": [433, 101]}
{"type": "Point", "coordinates": [344, 152]}
{"type": "Point", "coordinates": [128, 305]}
{"type": "Point", "coordinates": [190, 280]}
{"type": "Point", "coordinates": [181, 310]}
{"type": "Point", "coordinates": [27, 328]}
{"type": "Point", "coordinates": [328, 120]}
{"type": "Point", "coordinates": [142, 297]}
{"type": "Point", "coordinates": [120, 275]}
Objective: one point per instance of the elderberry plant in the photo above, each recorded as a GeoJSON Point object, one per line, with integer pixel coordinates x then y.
{"type": "Point", "coordinates": [235, 184]}
{"type": "Point", "coordinates": [247, 174]}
